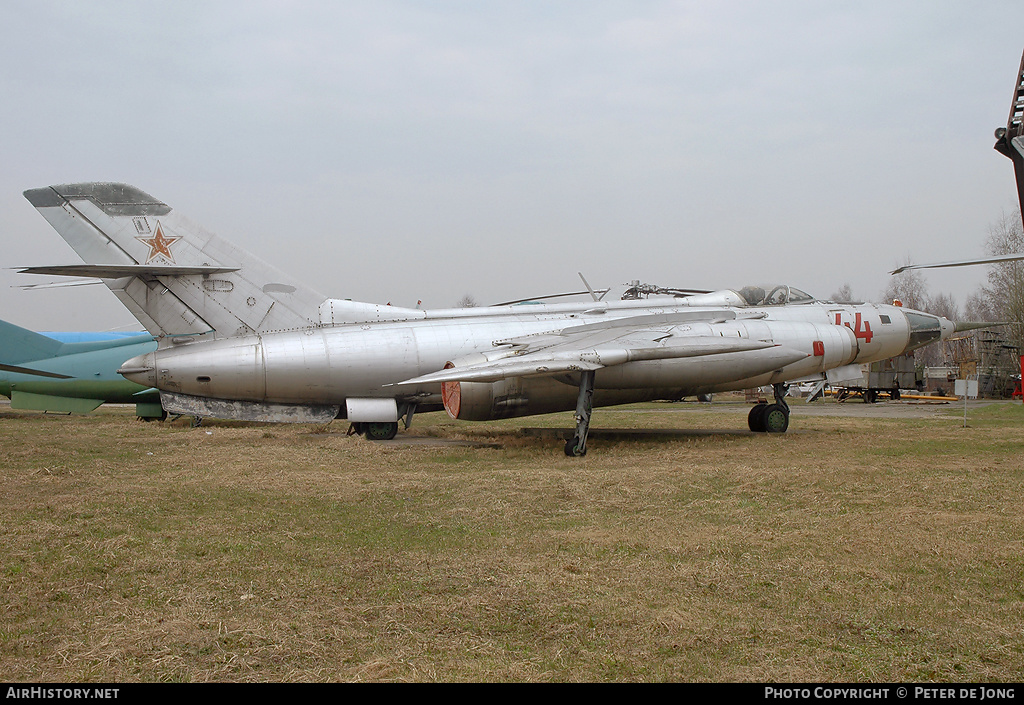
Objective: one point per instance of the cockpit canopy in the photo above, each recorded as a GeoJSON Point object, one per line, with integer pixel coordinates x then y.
{"type": "Point", "coordinates": [773, 295]}
{"type": "Point", "coordinates": [748, 297]}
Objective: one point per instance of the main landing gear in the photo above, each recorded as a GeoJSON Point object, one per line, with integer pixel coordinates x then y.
{"type": "Point", "coordinates": [383, 430]}
{"type": "Point", "coordinates": [576, 446]}
{"type": "Point", "coordinates": [375, 430]}
{"type": "Point", "coordinates": [771, 418]}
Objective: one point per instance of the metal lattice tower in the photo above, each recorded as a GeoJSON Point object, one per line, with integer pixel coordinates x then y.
{"type": "Point", "coordinates": [1010, 139]}
{"type": "Point", "coordinates": [1015, 123]}
{"type": "Point", "coordinates": [964, 352]}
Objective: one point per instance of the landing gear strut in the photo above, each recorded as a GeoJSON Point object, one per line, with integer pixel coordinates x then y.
{"type": "Point", "coordinates": [576, 446]}
{"type": "Point", "coordinates": [771, 418]}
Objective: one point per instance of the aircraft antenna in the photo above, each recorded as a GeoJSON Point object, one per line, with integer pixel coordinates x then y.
{"type": "Point", "coordinates": [593, 294]}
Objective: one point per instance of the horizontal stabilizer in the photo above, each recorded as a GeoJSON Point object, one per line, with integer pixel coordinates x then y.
{"type": "Point", "coordinates": [119, 271]}
{"type": "Point", "coordinates": [61, 285]}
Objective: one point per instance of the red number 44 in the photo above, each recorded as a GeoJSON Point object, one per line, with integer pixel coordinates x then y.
{"type": "Point", "coordinates": [861, 328]}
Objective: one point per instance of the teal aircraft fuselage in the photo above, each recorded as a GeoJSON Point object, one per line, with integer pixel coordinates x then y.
{"type": "Point", "coordinates": [41, 373]}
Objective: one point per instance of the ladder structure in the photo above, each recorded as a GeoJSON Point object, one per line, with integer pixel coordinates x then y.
{"type": "Point", "coordinates": [1015, 123]}
{"type": "Point", "coordinates": [1010, 139]}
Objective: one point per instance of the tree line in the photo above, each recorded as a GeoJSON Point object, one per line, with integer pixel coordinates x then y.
{"type": "Point", "coordinates": [1000, 299]}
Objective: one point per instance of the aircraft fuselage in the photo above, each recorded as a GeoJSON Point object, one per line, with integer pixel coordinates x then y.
{"type": "Point", "coordinates": [330, 364]}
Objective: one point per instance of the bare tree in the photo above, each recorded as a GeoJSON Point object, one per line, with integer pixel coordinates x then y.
{"type": "Point", "coordinates": [943, 305]}
{"type": "Point", "coordinates": [467, 301]}
{"type": "Point", "coordinates": [1003, 297]}
{"type": "Point", "coordinates": [978, 307]}
{"type": "Point", "coordinates": [909, 287]}
{"type": "Point", "coordinates": [844, 295]}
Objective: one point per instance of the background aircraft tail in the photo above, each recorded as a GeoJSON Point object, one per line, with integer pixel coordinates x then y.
{"type": "Point", "coordinates": [176, 278]}
{"type": "Point", "coordinates": [22, 345]}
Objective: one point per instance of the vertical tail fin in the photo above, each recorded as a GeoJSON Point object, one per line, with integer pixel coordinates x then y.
{"type": "Point", "coordinates": [21, 345]}
{"type": "Point", "coordinates": [117, 224]}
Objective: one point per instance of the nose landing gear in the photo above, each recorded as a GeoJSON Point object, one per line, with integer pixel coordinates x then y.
{"type": "Point", "coordinates": [771, 418]}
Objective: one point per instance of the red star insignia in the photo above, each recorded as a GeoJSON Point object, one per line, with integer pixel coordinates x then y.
{"type": "Point", "coordinates": [159, 245]}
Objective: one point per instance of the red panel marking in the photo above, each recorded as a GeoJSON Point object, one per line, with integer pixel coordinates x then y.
{"type": "Point", "coordinates": [861, 328]}
{"type": "Point", "coordinates": [451, 395]}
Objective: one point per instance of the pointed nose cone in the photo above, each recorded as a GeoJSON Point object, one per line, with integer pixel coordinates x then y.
{"type": "Point", "coordinates": [926, 328]}
{"type": "Point", "coordinates": [141, 369]}
{"type": "Point", "coordinates": [948, 328]}
{"type": "Point", "coordinates": [963, 326]}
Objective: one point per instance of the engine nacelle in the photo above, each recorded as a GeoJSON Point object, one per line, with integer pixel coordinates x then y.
{"type": "Point", "coordinates": [514, 396]}
{"type": "Point", "coordinates": [527, 396]}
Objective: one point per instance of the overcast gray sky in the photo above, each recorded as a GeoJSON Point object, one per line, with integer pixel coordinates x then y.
{"type": "Point", "coordinates": [397, 151]}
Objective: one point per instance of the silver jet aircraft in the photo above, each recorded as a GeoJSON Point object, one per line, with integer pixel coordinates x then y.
{"type": "Point", "coordinates": [239, 339]}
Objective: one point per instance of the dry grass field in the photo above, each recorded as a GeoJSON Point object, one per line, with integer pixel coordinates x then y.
{"type": "Point", "coordinates": [854, 548]}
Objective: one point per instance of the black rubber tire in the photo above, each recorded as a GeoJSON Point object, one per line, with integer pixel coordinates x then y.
{"type": "Point", "coordinates": [755, 419]}
{"type": "Point", "coordinates": [381, 431]}
{"type": "Point", "coordinates": [570, 448]}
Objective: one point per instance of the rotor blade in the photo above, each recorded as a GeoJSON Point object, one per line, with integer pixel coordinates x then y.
{"type": "Point", "coordinates": [960, 263]}
{"type": "Point", "coordinates": [546, 296]}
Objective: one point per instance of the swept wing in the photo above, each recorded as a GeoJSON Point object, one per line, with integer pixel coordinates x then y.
{"type": "Point", "coordinates": [592, 347]}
